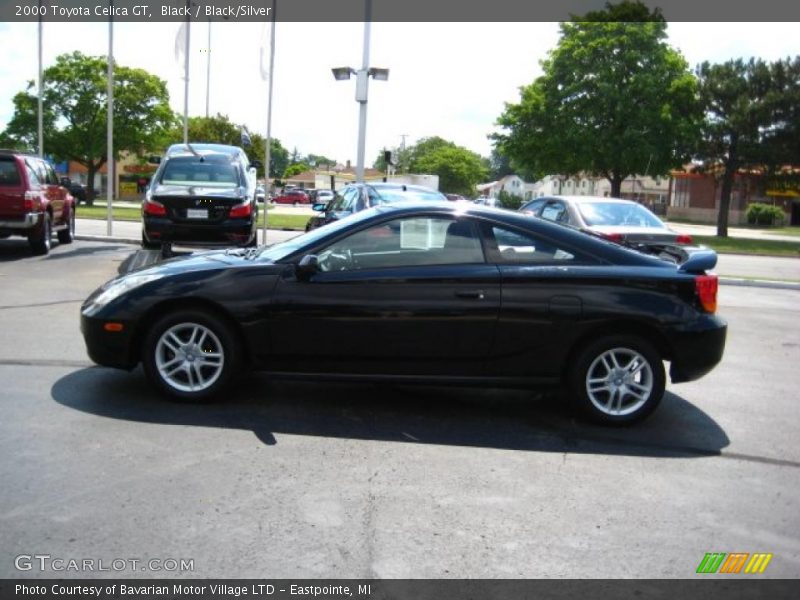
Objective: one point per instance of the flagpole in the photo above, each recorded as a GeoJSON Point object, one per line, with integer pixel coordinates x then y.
{"type": "Point", "coordinates": [268, 149]}
{"type": "Point", "coordinates": [40, 115]}
{"type": "Point", "coordinates": [186, 81]}
{"type": "Point", "coordinates": [110, 166]}
{"type": "Point", "coordinates": [208, 68]}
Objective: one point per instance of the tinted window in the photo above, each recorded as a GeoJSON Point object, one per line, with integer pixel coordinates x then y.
{"type": "Point", "coordinates": [191, 171]}
{"type": "Point", "coordinates": [532, 207]}
{"type": "Point", "coordinates": [8, 172]}
{"type": "Point", "coordinates": [410, 241]}
{"type": "Point", "coordinates": [514, 246]}
{"type": "Point", "coordinates": [34, 177]}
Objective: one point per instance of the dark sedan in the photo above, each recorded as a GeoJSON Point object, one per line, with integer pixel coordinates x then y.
{"type": "Point", "coordinates": [420, 293]}
{"type": "Point", "coordinates": [201, 194]}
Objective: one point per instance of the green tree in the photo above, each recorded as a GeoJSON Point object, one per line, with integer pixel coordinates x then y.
{"type": "Point", "coordinates": [74, 97]}
{"type": "Point", "coordinates": [219, 129]}
{"type": "Point", "coordinates": [752, 120]}
{"type": "Point", "coordinates": [459, 169]}
{"type": "Point", "coordinates": [295, 169]}
{"type": "Point", "coordinates": [614, 100]}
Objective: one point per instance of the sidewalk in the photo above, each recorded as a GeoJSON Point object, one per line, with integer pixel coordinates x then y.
{"type": "Point", "coordinates": [737, 232]}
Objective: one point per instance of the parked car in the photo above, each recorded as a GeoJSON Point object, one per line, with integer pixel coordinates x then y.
{"type": "Point", "coordinates": [323, 196]}
{"type": "Point", "coordinates": [33, 203]}
{"type": "Point", "coordinates": [261, 194]}
{"type": "Point", "coordinates": [622, 221]}
{"type": "Point", "coordinates": [293, 196]}
{"type": "Point", "coordinates": [78, 191]}
{"type": "Point", "coordinates": [420, 292]}
{"type": "Point", "coordinates": [356, 197]}
{"type": "Point", "coordinates": [201, 194]}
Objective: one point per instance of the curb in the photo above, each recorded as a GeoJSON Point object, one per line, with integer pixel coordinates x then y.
{"type": "Point", "coordinates": [760, 283]}
{"type": "Point", "coordinates": [105, 238]}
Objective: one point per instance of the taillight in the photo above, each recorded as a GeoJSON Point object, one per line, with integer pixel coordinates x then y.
{"type": "Point", "coordinates": [32, 202]}
{"type": "Point", "coordinates": [614, 237]}
{"type": "Point", "coordinates": [683, 239]}
{"type": "Point", "coordinates": [155, 209]}
{"type": "Point", "coordinates": [706, 287]}
{"type": "Point", "coordinates": [241, 210]}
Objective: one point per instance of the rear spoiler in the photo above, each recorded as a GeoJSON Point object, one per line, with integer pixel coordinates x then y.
{"type": "Point", "coordinates": [699, 261]}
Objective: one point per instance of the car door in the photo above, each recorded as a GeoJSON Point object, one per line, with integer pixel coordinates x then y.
{"type": "Point", "coordinates": [542, 307]}
{"type": "Point", "coordinates": [408, 296]}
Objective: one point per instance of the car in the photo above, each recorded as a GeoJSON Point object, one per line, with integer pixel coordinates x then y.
{"type": "Point", "coordinates": [201, 194]}
{"type": "Point", "coordinates": [623, 221]}
{"type": "Point", "coordinates": [323, 196]}
{"type": "Point", "coordinates": [356, 197]}
{"type": "Point", "coordinates": [33, 203]}
{"type": "Point", "coordinates": [78, 191]}
{"type": "Point", "coordinates": [292, 196]}
{"type": "Point", "coordinates": [425, 293]}
{"type": "Point", "coordinates": [261, 194]}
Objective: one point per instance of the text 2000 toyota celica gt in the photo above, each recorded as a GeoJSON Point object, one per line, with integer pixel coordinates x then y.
{"type": "Point", "coordinates": [420, 293]}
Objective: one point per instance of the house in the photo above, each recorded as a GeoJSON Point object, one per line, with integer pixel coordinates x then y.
{"type": "Point", "coordinates": [512, 184]}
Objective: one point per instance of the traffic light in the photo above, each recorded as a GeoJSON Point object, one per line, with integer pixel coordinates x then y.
{"type": "Point", "coordinates": [387, 157]}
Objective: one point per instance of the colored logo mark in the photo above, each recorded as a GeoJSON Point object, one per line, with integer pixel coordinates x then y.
{"type": "Point", "coordinates": [735, 562]}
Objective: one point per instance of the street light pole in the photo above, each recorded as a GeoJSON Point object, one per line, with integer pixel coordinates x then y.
{"type": "Point", "coordinates": [362, 92]}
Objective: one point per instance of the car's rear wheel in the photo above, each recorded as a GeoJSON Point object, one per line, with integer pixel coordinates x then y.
{"type": "Point", "coordinates": [190, 355]}
{"type": "Point", "coordinates": [65, 236]}
{"type": "Point", "coordinates": [41, 239]}
{"type": "Point", "coordinates": [617, 380]}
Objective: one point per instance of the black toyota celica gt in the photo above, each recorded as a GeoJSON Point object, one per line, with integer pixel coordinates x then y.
{"type": "Point", "coordinates": [420, 293]}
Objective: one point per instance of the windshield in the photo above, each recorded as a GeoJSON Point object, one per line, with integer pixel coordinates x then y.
{"type": "Point", "coordinates": [397, 194]}
{"type": "Point", "coordinates": [192, 171]}
{"type": "Point", "coordinates": [618, 213]}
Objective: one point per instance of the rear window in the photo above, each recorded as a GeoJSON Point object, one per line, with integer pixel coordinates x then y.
{"type": "Point", "coordinates": [8, 172]}
{"type": "Point", "coordinates": [191, 171]}
{"type": "Point", "coordinates": [618, 213]}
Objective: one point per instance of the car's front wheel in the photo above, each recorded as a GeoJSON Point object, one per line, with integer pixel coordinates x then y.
{"type": "Point", "coordinates": [617, 380]}
{"type": "Point", "coordinates": [190, 355]}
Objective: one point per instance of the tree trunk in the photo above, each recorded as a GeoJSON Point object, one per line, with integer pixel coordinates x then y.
{"type": "Point", "coordinates": [616, 185]}
{"type": "Point", "coordinates": [91, 169]}
{"type": "Point", "coordinates": [731, 166]}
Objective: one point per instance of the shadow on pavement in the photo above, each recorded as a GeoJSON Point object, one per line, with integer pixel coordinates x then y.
{"type": "Point", "coordinates": [500, 419]}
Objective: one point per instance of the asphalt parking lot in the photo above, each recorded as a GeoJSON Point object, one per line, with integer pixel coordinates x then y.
{"type": "Point", "coordinates": [307, 480]}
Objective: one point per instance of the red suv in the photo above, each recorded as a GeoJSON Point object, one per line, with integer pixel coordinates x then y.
{"type": "Point", "coordinates": [294, 196]}
{"type": "Point", "coordinates": [33, 203]}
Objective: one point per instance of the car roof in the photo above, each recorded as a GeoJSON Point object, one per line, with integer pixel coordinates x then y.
{"type": "Point", "coordinates": [588, 199]}
{"type": "Point", "coordinates": [391, 185]}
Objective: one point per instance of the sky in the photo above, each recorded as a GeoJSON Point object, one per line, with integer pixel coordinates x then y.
{"type": "Point", "coordinates": [445, 79]}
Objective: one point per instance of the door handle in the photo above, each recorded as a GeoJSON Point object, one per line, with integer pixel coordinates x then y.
{"type": "Point", "coordinates": [471, 294]}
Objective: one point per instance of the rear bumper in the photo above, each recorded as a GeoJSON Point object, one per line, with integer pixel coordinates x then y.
{"type": "Point", "coordinates": [24, 222]}
{"type": "Point", "coordinates": [227, 232]}
{"type": "Point", "coordinates": [697, 349]}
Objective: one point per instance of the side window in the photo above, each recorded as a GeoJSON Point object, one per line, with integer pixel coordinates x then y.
{"type": "Point", "coordinates": [350, 200]}
{"type": "Point", "coordinates": [533, 207]}
{"type": "Point", "coordinates": [52, 179]}
{"type": "Point", "coordinates": [515, 246]}
{"type": "Point", "coordinates": [405, 242]}
{"type": "Point", "coordinates": [374, 197]}
{"type": "Point", "coordinates": [555, 211]}
{"type": "Point", "coordinates": [34, 176]}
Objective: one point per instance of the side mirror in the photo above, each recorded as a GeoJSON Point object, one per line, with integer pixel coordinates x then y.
{"type": "Point", "coordinates": [154, 159]}
{"type": "Point", "coordinates": [319, 207]}
{"type": "Point", "coordinates": [307, 266]}
{"type": "Point", "coordinates": [257, 164]}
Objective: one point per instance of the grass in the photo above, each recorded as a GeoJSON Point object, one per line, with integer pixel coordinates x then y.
{"type": "Point", "coordinates": [293, 222]}
{"type": "Point", "coordinates": [731, 245]}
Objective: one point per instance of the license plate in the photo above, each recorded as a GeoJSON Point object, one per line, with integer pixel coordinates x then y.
{"type": "Point", "coordinates": [196, 213]}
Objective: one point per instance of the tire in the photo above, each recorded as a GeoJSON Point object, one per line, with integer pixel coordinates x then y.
{"type": "Point", "coordinates": [65, 236]}
{"type": "Point", "coordinates": [190, 355]}
{"type": "Point", "coordinates": [41, 239]}
{"type": "Point", "coordinates": [602, 386]}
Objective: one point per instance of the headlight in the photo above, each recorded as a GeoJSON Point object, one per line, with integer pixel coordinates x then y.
{"type": "Point", "coordinates": [115, 288]}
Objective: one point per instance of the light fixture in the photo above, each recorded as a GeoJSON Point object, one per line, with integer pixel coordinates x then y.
{"type": "Point", "coordinates": [342, 73]}
{"type": "Point", "coordinates": [379, 74]}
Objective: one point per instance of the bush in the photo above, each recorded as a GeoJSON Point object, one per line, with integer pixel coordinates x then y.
{"type": "Point", "coordinates": [509, 201]}
{"type": "Point", "coordinates": [764, 214]}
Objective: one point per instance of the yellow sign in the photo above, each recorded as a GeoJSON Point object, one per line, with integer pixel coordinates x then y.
{"type": "Point", "coordinates": [790, 193]}
{"type": "Point", "coordinates": [128, 188]}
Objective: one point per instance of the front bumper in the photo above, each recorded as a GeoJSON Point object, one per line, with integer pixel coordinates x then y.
{"type": "Point", "coordinates": [109, 349]}
{"type": "Point", "coordinates": [697, 348]}
{"type": "Point", "coordinates": [27, 221]}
